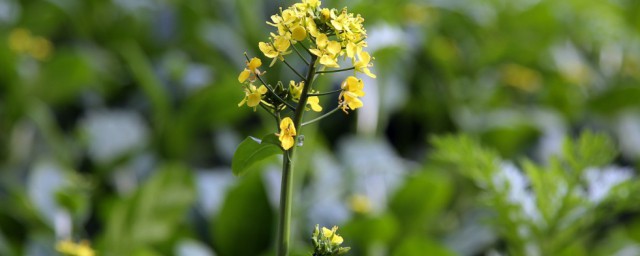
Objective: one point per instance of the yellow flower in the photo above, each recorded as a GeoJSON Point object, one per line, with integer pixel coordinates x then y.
{"type": "Point", "coordinates": [295, 90]}
{"type": "Point", "coordinates": [331, 234]}
{"type": "Point", "coordinates": [277, 48]}
{"type": "Point", "coordinates": [351, 91]}
{"type": "Point", "coordinates": [327, 50]}
{"type": "Point", "coordinates": [360, 204]}
{"type": "Point", "coordinates": [287, 133]}
{"type": "Point", "coordinates": [362, 65]}
{"type": "Point", "coordinates": [252, 68]}
{"type": "Point", "coordinates": [253, 96]}
{"type": "Point", "coordinates": [268, 50]}
{"type": "Point", "coordinates": [314, 102]}
{"type": "Point", "coordinates": [68, 247]}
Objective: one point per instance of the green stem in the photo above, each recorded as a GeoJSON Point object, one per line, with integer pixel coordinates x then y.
{"type": "Point", "coordinates": [325, 93]}
{"type": "Point", "coordinates": [321, 117]}
{"type": "Point", "coordinates": [335, 70]}
{"type": "Point", "coordinates": [292, 69]}
{"type": "Point", "coordinates": [284, 223]}
{"type": "Point", "coordinates": [299, 55]}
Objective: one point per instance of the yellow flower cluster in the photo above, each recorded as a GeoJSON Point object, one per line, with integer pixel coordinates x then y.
{"type": "Point", "coordinates": [68, 247]}
{"type": "Point", "coordinates": [327, 242]}
{"type": "Point", "coordinates": [21, 41]}
{"type": "Point", "coordinates": [332, 33]}
{"type": "Point", "coordinates": [329, 36]}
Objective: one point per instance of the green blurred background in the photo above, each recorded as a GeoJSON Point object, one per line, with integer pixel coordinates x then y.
{"type": "Point", "coordinates": [118, 121]}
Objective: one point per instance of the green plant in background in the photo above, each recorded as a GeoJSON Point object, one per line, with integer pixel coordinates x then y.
{"type": "Point", "coordinates": [326, 36]}
{"type": "Point", "coordinates": [561, 208]}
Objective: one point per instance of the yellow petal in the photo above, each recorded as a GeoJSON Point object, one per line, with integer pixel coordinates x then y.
{"type": "Point", "coordinates": [351, 49]}
{"type": "Point", "coordinates": [254, 99]}
{"type": "Point", "coordinates": [254, 64]}
{"type": "Point", "coordinates": [243, 76]}
{"type": "Point", "coordinates": [286, 141]}
{"type": "Point", "coordinates": [267, 50]}
{"type": "Point", "coordinates": [314, 102]}
{"type": "Point", "coordinates": [334, 47]}
{"type": "Point", "coordinates": [282, 43]}
{"type": "Point", "coordinates": [329, 61]}
{"type": "Point", "coordinates": [298, 33]}
{"type": "Point", "coordinates": [321, 41]}
{"type": "Point", "coordinates": [262, 89]}
{"type": "Point", "coordinates": [336, 240]}
{"type": "Point", "coordinates": [366, 71]}
{"type": "Point", "coordinates": [316, 52]}
{"type": "Point", "coordinates": [326, 232]}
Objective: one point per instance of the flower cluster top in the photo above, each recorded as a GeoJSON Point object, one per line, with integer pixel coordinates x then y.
{"type": "Point", "coordinates": [330, 38]}
{"type": "Point", "coordinates": [333, 33]}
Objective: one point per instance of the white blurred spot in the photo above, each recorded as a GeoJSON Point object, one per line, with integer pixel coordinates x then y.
{"type": "Point", "coordinates": [601, 181]}
{"type": "Point", "coordinates": [189, 247]}
{"type": "Point", "coordinates": [114, 133]}
{"type": "Point", "coordinates": [213, 186]}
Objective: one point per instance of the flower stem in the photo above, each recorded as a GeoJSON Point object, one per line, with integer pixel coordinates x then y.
{"type": "Point", "coordinates": [325, 93]}
{"type": "Point", "coordinates": [321, 117]}
{"type": "Point", "coordinates": [284, 223]}
{"type": "Point", "coordinates": [335, 70]}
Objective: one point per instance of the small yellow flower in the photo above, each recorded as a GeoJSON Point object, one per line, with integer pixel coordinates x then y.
{"type": "Point", "coordinates": [287, 133]}
{"type": "Point", "coordinates": [70, 248]}
{"type": "Point", "coordinates": [360, 204]}
{"type": "Point", "coordinates": [314, 102]}
{"type": "Point", "coordinates": [253, 96]}
{"type": "Point", "coordinates": [295, 90]}
{"type": "Point", "coordinates": [362, 65]}
{"type": "Point", "coordinates": [327, 50]}
{"type": "Point", "coordinates": [351, 91]}
{"type": "Point", "coordinates": [331, 234]}
{"type": "Point", "coordinates": [252, 68]}
{"type": "Point", "coordinates": [268, 50]}
{"type": "Point", "coordinates": [277, 49]}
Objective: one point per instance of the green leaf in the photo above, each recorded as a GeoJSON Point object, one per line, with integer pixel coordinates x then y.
{"type": "Point", "coordinates": [589, 150]}
{"type": "Point", "coordinates": [152, 215]}
{"type": "Point", "coordinates": [252, 150]}
{"type": "Point", "coordinates": [421, 200]}
{"type": "Point", "coordinates": [244, 225]}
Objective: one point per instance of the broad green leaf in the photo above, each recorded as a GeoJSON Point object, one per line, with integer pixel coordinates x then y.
{"type": "Point", "coordinates": [244, 225]}
{"type": "Point", "coordinates": [252, 150]}
{"type": "Point", "coordinates": [152, 215]}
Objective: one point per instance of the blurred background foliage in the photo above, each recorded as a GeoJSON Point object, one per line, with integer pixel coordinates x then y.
{"type": "Point", "coordinates": [118, 121]}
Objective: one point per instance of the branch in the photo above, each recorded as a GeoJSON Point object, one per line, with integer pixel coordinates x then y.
{"type": "Point", "coordinates": [321, 117]}
{"type": "Point", "coordinates": [335, 70]}
{"type": "Point", "coordinates": [325, 93]}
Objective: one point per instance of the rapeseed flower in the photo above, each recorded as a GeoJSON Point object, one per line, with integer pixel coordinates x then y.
{"type": "Point", "coordinates": [253, 96]}
{"type": "Point", "coordinates": [287, 133]}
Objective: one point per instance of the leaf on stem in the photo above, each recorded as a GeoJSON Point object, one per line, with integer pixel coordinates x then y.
{"type": "Point", "coordinates": [252, 150]}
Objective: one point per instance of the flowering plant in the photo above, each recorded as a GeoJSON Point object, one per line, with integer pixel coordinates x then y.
{"type": "Point", "coordinates": [324, 39]}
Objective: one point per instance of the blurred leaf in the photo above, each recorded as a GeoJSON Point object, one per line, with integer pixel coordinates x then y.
{"type": "Point", "coordinates": [365, 231]}
{"type": "Point", "coordinates": [616, 98]}
{"type": "Point", "coordinates": [245, 223]}
{"type": "Point", "coordinates": [252, 150]}
{"type": "Point", "coordinates": [418, 246]}
{"type": "Point", "coordinates": [590, 150]}
{"type": "Point", "coordinates": [152, 214]}
{"type": "Point", "coordinates": [418, 203]}
{"type": "Point", "coordinates": [510, 141]}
